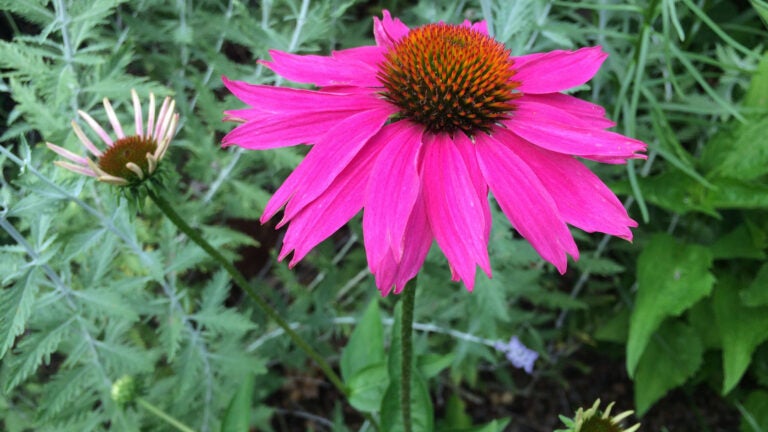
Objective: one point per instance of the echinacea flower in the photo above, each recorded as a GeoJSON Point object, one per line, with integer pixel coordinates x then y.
{"type": "Point", "coordinates": [417, 129]}
{"type": "Point", "coordinates": [594, 420]}
{"type": "Point", "coordinates": [128, 159]}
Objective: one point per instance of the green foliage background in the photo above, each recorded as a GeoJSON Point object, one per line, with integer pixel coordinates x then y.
{"type": "Point", "coordinates": [92, 290]}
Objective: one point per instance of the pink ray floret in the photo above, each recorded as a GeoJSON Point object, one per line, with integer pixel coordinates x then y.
{"type": "Point", "coordinates": [420, 181]}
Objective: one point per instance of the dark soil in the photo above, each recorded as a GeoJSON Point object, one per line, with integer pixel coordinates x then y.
{"type": "Point", "coordinates": [305, 402]}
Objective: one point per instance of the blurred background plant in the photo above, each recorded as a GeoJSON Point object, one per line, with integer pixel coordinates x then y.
{"type": "Point", "coordinates": [91, 291]}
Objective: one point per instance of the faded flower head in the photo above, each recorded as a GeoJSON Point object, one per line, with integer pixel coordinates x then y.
{"type": "Point", "coordinates": [594, 420]}
{"type": "Point", "coordinates": [124, 390]}
{"type": "Point", "coordinates": [128, 159]}
{"type": "Point", "coordinates": [418, 129]}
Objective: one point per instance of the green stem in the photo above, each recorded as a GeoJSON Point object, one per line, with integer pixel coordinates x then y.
{"type": "Point", "coordinates": [406, 337]}
{"type": "Point", "coordinates": [170, 420]}
{"type": "Point", "coordinates": [240, 280]}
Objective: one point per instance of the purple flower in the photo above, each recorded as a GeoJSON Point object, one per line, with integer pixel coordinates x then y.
{"type": "Point", "coordinates": [518, 354]}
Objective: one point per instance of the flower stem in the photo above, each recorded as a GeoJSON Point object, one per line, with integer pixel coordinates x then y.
{"type": "Point", "coordinates": [406, 338]}
{"type": "Point", "coordinates": [170, 420]}
{"type": "Point", "coordinates": [240, 280]}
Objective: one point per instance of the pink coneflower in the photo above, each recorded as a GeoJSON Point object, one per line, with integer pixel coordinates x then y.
{"type": "Point", "coordinates": [415, 131]}
{"type": "Point", "coordinates": [128, 159]}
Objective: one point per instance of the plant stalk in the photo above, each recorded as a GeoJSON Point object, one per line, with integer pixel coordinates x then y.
{"type": "Point", "coordinates": [406, 340]}
{"type": "Point", "coordinates": [240, 280]}
{"type": "Point", "coordinates": [168, 419]}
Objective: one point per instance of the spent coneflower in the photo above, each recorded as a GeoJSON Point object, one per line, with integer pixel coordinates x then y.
{"type": "Point", "coordinates": [595, 420]}
{"type": "Point", "coordinates": [127, 160]}
{"type": "Point", "coordinates": [417, 129]}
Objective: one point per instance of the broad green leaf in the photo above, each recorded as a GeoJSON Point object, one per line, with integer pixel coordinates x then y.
{"type": "Point", "coordinates": [674, 191]}
{"type": "Point", "coordinates": [422, 416]}
{"type": "Point", "coordinates": [739, 243]}
{"type": "Point", "coordinates": [494, 426]}
{"type": "Point", "coordinates": [737, 194]}
{"type": "Point", "coordinates": [673, 355]}
{"type": "Point", "coordinates": [671, 278]}
{"type": "Point", "coordinates": [367, 387]}
{"type": "Point", "coordinates": [754, 413]}
{"type": "Point", "coordinates": [743, 328]}
{"type": "Point", "coordinates": [237, 418]}
{"type": "Point", "coordinates": [757, 292]}
{"type": "Point", "coordinates": [432, 364]}
{"type": "Point", "coordinates": [456, 414]}
{"type": "Point", "coordinates": [739, 150]}
{"type": "Point", "coordinates": [366, 344]}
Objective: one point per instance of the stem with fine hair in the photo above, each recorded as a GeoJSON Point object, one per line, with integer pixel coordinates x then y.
{"type": "Point", "coordinates": [240, 280]}
{"type": "Point", "coordinates": [406, 346]}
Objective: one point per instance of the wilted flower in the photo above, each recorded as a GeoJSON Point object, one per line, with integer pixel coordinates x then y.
{"type": "Point", "coordinates": [417, 129]}
{"type": "Point", "coordinates": [594, 420]}
{"type": "Point", "coordinates": [128, 159]}
{"type": "Point", "coordinates": [518, 354]}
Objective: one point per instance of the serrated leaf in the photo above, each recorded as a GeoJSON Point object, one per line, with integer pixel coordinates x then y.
{"type": "Point", "coordinates": [430, 365]}
{"type": "Point", "coordinates": [674, 355]}
{"type": "Point", "coordinates": [742, 328]}
{"type": "Point", "coordinates": [757, 93]}
{"type": "Point", "coordinates": [366, 344]}
{"type": "Point", "coordinates": [15, 308]}
{"type": "Point", "coordinates": [34, 350]}
{"type": "Point", "coordinates": [739, 243]}
{"type": "Point", "coordinates": [422, 416]}
{"type": "Point", "coordinates": [756, 293]}
{"type": "Point", "coordinates": [671, 278]}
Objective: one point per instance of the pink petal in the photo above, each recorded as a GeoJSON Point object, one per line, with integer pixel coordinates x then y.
{"type": "Point", "coordinates": [548, 127]}
{"type": "Point", "coordinates": [387, 31]}
{"type": "Point", "coordinates": [328, 157]}
{"type": "Point", "coordinates": [282, 130]}
{"type": "Point", "coordinates": [577, 112]}
{"type": "Point", "coordinates": [372, 55]}
{"type": "Point", "coordinates": [392, 190]}
{"type": "Point", "coordinates": [467, 149]}
{"type": "Point", "coordinates": [323, 70]}
{"type": "Point", "coordinates": [558, 70]}
{"type": "Point", "coordinates": [581, 198]}
{"type": "Point", "coordinates": [455, 211]}
{"type": "Point", "coordinates": [396, 274]}
{"type": "Point", "coordinates": [272, 99]}
{"type": "Point", "coordinates": [480, 26]}
{"type": "Point", "coordinates": [525, 200]}
{"type": "Point", "coordinates": [332, 209]}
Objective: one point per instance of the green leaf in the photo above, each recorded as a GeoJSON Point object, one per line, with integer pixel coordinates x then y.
{"type": "Point", "coordinates": [366, 344]}
{"type": "Point", "coordinates": [756, 293]}
{"type": "Point", "coordinates": [367, 387]}
{"type": "Point", "coordinates": [739, 150]}
{"type": "Point", "coordinates": [237, 418]}
{"type": "Point", "coordinates": [421, 406]}
{"type": "Point", "coordinates": [739, 243]}
{"type": "Point", "coordinates": [754, 414]}
{"type": "Point", "coordinates": [743, 328]}
{"type": "Point", "coordinates": [432, 364]}
{"type": "Point", "coordinates": [757, 93]}
{"type": "Point", "coordinates": [456, 414]}
{"type": "Point", "coordinates": [671, 278]}
{"type": "Point", "coordinates": [673, 355]}
{"type": "Point", "coordinates": [494, 426]}
{"type": "Point", "coordinates": [15, 308]}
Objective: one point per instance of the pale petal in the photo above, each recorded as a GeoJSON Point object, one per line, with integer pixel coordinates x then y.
{"type": "Point", "coordinates": [392, 190]}
{"type": "Point", "coordinates": [323, 70]}
{"type": "Point", "coordinates": [67, 154]}
{"type": "Point", "coordinates": [480, 26]}
{"type": "Point", "coordinates": [137, 114]}
{"type": "Point", "coordinates": [525, 200]}
{"type": "Point", "coordinates": [324, 162]}
{"type": "Point", "coordinates": [455, 212]}
{"type": "Point", "coordinates": [75, 168]}
{"type": "Point", "coordinates": [151, 115]}
{"type": "Point", "coordinates": [581, 198]}
{"type": "Point", "coordinates": [555, 71]}
{"type": "Point", "coordinates": [96, 127]}
{"type": "Point", "coordinates": [84, 139]}
{"type": "Point", "coordinates": [113, 118]}
{"type": "Point", "coordinates": [545, 126]}
{"type": "Point", "coordinates": [387, 31]}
